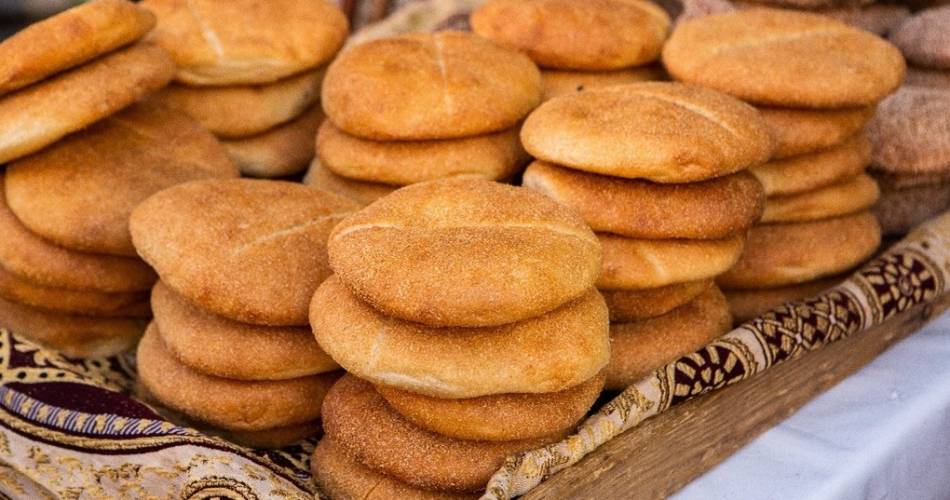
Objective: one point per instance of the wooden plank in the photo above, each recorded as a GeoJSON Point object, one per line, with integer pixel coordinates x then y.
{"type": "Point", "coordinates": [666, 452]}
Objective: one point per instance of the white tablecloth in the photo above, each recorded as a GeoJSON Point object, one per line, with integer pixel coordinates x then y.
{"type": "Point", "coordinates": [883, 433]}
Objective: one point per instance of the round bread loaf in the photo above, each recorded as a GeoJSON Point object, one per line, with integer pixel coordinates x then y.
{"type": "Point", "coordinates": [564, 34]}
{"type": "Point", "coordinates": [492, 156]}
{"type": "Point", "coordinates": [79, 192]}
{"type": "Point", "coordinates": [19, 290]}
{"type": "Point", "coordinates": [278, 437]}
{"type": "Point", "coordinates": [244, 110]}
{"type": "Point", "coordinates": [711, 209]}
{"type": "Point", "coordinates": [939, 79]}
{"type": "Point", "coordinates": [635, 305]}
{"type": "Point", "coordinates": [808, 172]}
{"type": "Point", "coordinates": [279, 152]}
{"type": "Point", "coordinates": [340, 476]}
{"type": "Point", "coordinates": [923, 38]}
{"type": "Point", "coordinates": [465, 252]}
{"type": "Point", "coordinates": [787, 254]}
{"type": "Point", "coordinates": [749, 304]}
{"type": "Point", "coordinates": [229, 404]}
{"type": "Point", "coordinates": [241, 42]}
{"type": "Point", "coordinates": [32, 258]}
{"type": "Point", "coordinates": [849, 196]}
{"type": "Point", "coordinates": [637, 263]}
{"type": "Point", "coordinates": [911, 132]}
{"type": "Point", "coordinates": [502, 417]}
{"type": "Point", "coordinates": [361, 192]}
{"type": "Point", "coordinates": [801, 131]}
{"type": "Point", "coordinates": [548, 353]}
{"type": "Point", "coordinates": [901, 210]}
{"type": "Point", "coordinates": [217, 346]}
{"type": "Point", "coordinates": [72, 335]}
{"type": "Point", "coordinates": [358, 419]}
{"type": "Point", "coordinates": [556, 83]}
{"type": "Point", "coordinates": [784, 58]}
{"type": "Point", "coordinates": [248, 250]}
{"type": "Point", "coordinates": [42, 114]}
{"type": "Point", "coordinates": [429, 86]}
{"type": "Point", "coordinates": [640, 347]}
{"type": "Point", "coordinates": [664, 132]}
{"type": "Point", "coordinates": [68, 39]}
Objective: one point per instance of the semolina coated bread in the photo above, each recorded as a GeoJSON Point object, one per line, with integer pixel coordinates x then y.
{"type": "Point", "coordinates": [493, 156]}
{"type": "Point", "coordinates": [40, 115]}
{"type": "Point", "coordinates": [465, 252]}
{"type": "Point", "coordinates": [61, 300]}
{"type": "Point", "coordinates": [633, 264]}
{"type": "Point", "coordinates": [565, 34]}
{"type": "Point", "coordinates": [358, 419]}
{"type": "Point", "coordinates": [802, 131]}
{"type": "Point", "coordinates": [218, 346]}
{"type": "Point", "coordinates": [902, 209]}
{"type": "Point", "coordinates": [80, 192]}
{"type": "Point", "coordinates": [69, 39]}
{"type": "Point", "coordinates": [361, 192]}
{"type": "Point", "coordinates": [712, 209]}
{"type": "Point", "coordinates": [548, 353]}
{"type": "Point", "coordinates": [849, 196]}
{"type": "Point", "coordinates": [501, 417]}
{"type": "Point", "coordinates": [749, 304]}
{"type": "Point", "coordinates": [659, 131]}
{"type": "Point", "coordinates": [640, 347]}
{"type": "Point", "coordinates": [788, 254]}
{"type": "Point", "coordinates": [911, 132]}
{"type": "Point", "coordinates": [278, 437]}
{"type": "Point", "coordinates": [249, 250]}
{"type": "Point", "coordinates": [238, 405]}
{"type": "Point", "coordinates": [429, 86]}
{"type": "Point", "coordinates": [242, 42]}
{"type": "Point", "coordinates": [29, 257]}
{"type": "Point", "coordinates": [635, 305]}
{"type": "Point", "coordinates": [279, 152]}
{"type": "Point", "coordinates": [244, 110]}
{"type": "Point", "coordinates": [811, 171]}
{"type": "Point", "coordinates": [561, 82]}
{"type": "Point", "coordinates": [784, 58]}
{"type": "Point", "coordinates": [923, 38]}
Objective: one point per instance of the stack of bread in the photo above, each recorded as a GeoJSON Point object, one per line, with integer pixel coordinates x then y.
{"type": "Point", "coordinates": [580, 45]}
{"type": "Point", "coordinates": [250, 71]}
{"type": "Point", "coordinates": [817, 82]}
{"type": "Point", "coordinates": [419, 107]}
{"type": "Point", "coordinates": [923, 41]}
{"type": "Point", "coordinates": [466, 315]}
{"type": "Point", "coordinates": [229, 348]}
{"type": "Point", "coordinates": [657, 169]}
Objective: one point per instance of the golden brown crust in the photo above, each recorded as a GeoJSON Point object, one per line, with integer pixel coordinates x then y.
{"type": "Point", "coordinates": [358, 419]}
{"type": "Point", "coordinates": [245, 110]}
{"type": "Point", "coordinates": [79, 192]}
{"type": "Point", "coordinates": [278, 437]}
{"type": "Point", "coordinates": [812, 171]}
{"type": "Point", "coordinates": [242, 42]}
{"type": "Point", "coordinates": [218, 346]}
{"type": "Point", "coordinates": [492, 156]}
{"type": "Point", "coordinates": [42, 114]}
{"type": "Point", "coordinates": [901, 210]}
{"type": "Point", "coordinates": [17, 289]}
{"type": "Point", "coordinates": [911, 132]}
{"type": "Point", "coordinates": [465, 252]}
{"type": "Point", "coordinates": [229, 404]}
{"type": "Point", "coordinates": [711, 209]}
{"type": "Point", "coordinates": [635, 305]}
{"type": "Point", "coordinates": [248, 250]}
{"type": "Point", "coordinates": [29, 257]}
{"type": "Point", "coordinates": [361, 192]}
{"type": "Point", "coordinates": [279, 152]}
{"type": "Point", "coordinates": [784, 58]}
{"type": "Point", "coordinates": [786, 254]}
{"type": "Point", "coordinates": [548, 353]}
{"type": "Point", "coordinates": [749, 304]}
{"type": "Point", "coordinates": [849, 196]}
{"type": "Point", "coordinates": [501, 417]}
{"type": "Point", "coordinates": [637, 263]}
{"type": "Point", "coordinates": [802, 131]}
{"type": "Point", "coordinates": [640, 347]}
{"type": "Point", "coordinates": [923, 38]}
{"type": "Point", "coordinates": [661, 131]}
{"type": "Point", "coordinates": [593, 35]}
{"type": "Point", "coordinates": [68, 39]}
{"type": "Point", "coordinates": [429, 86]}
{"type": "Point", "coordinates": [557, 83]}
{"type": "Point", "coordinates": [75, 336]}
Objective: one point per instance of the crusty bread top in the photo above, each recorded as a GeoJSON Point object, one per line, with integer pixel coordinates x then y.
{"type": "Point", "coordinates": [664, 132]}
{"type": "Point", "coordinates": [784, 58]}
{"type": "Point", "coordinates": [925, 38]}
{"type": "Point", "coordinates": [465, 252]}
{"type": "Point", "coordinates": [911, 132]}
{"type": "Point", "coordinates": [429, 86]}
